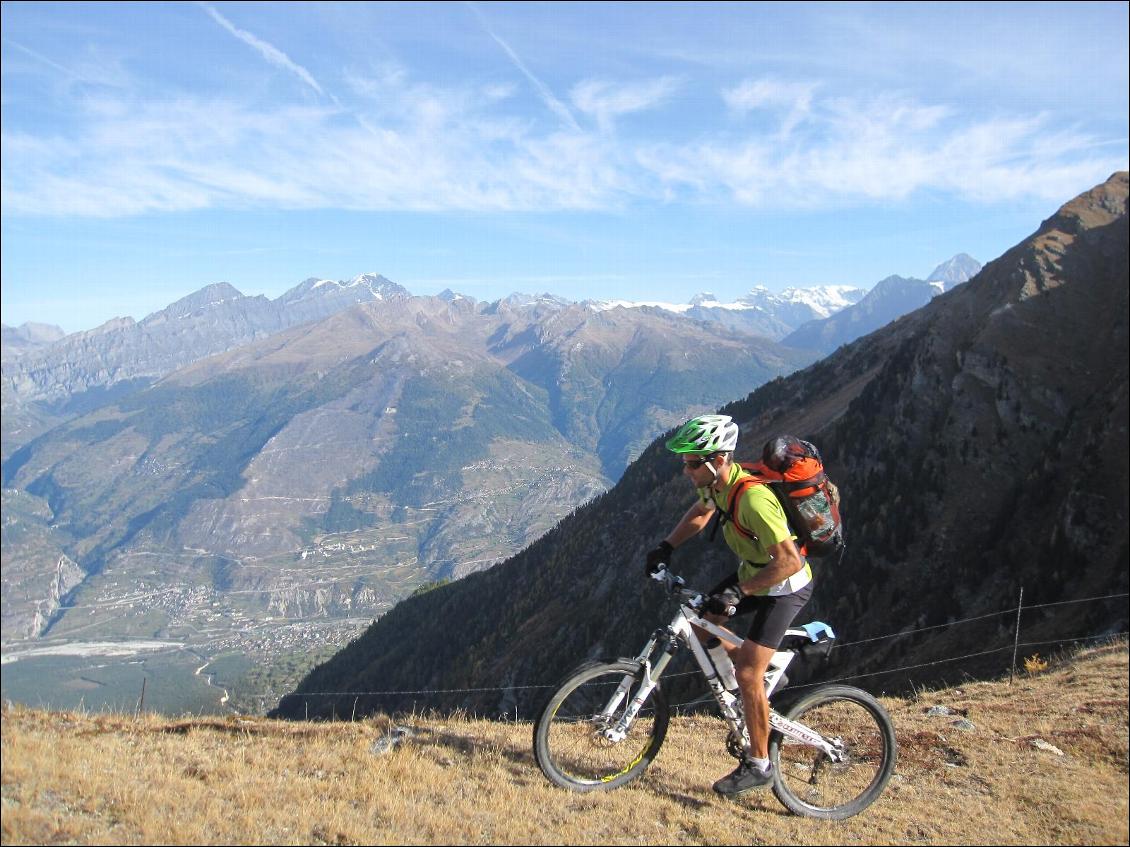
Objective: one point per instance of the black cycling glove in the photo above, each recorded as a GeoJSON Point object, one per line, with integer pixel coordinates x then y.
{"type": "Point", "coordinates": [723, 603]}
{"type": "Point", "coordinates": [658, 557]}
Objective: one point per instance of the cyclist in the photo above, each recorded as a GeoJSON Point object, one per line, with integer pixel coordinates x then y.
{"type": "Point", "coordinates": [773, 580]}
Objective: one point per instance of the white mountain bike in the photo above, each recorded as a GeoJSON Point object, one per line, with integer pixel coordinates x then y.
{"type": "Point", "coordinates": [833, 749]}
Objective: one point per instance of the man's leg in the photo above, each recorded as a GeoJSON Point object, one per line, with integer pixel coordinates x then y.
{"type": "Point", "coordinates": [771, 617]}
{"type": "Point", "coordinates": [751, 661]}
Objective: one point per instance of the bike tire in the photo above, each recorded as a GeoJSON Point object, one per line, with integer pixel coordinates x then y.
{"type": "Point", "coordinates": [807, 781]}
{"type": "Point", "coordinates": [568, 744]}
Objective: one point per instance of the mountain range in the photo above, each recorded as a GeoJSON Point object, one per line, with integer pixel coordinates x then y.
{"type": "Point", "coordinates": [760, 312]}
{"type": "Point", "coordinates": [888, 300]}
{"type": "Point", "coordinates": [822, 317]}
{"type": "Point", "coordinates": [233, 459]}
{"type": "Point", "coordinates": [328, 469]}
{"type": "Point", "coordinates": [49, 377]}
{"type": "Point", "coordinates": [980, 447]}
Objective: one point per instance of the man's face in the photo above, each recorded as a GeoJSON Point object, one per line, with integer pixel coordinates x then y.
{"type": "Point", "coordinates": [696, 470]}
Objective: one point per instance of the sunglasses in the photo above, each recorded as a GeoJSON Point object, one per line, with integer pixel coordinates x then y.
{"type": "Point", "coordinates": [695, 464]}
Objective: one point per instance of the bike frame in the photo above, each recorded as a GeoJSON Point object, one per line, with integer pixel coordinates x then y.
{"type": "Point", "coordinates": [681, 629]}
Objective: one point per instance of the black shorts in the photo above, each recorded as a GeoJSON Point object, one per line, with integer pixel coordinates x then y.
{"type": "Point", "coordinates": [771, 615]}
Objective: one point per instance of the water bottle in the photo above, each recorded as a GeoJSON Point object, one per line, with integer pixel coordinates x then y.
{"type": "Point", "coordinates": [815, 510]}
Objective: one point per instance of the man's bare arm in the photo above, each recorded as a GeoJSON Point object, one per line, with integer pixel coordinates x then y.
{"type": "Point", "coordinates": [785, 560]}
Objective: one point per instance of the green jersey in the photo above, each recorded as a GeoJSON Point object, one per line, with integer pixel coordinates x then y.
{"type": "Point", "coordinates": [760, 512]}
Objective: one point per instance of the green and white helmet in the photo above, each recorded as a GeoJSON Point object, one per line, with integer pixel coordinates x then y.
{"type": "Point", "coordinates": [704, 435]}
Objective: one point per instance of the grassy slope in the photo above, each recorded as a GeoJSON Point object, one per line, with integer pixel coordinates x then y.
{"type": "Point", "coordinates": [88, 778]}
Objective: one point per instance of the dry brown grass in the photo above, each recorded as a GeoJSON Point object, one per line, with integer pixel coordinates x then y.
{"type": "Point", "coordinates": [95, 779]}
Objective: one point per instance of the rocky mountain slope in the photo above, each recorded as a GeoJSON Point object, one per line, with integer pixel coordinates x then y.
{"type": "Point", "coordinates": [82, 371]}
{"type": "Point", "coordinates": [329, 469]}
{"type": "Point", "coordinates": [888, 300]}
{"type": "Point", "coordinates": [980, 444]}
{"type": "Point", "coordinates": [26, 338]}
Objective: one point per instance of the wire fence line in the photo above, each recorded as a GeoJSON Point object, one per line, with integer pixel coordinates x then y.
{"type": "Point", "coordinates": [1009, 611]}
{"type": "Point", "coordinates": [707, 698]}
{"type": "Point", "coordinates": [1111, 635]}
{"type": "Point", "coordinates": [905, 634]}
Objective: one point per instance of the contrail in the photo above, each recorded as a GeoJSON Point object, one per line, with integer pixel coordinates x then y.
{"type": "Point", "coordinates": [45, 60]}
{"type": "Point", "coordinates": [268, 51]}
{"type": "Point", "coordinates": [547, 96]}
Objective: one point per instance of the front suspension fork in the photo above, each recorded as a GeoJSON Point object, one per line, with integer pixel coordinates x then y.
{"type": "Point", "coordinates": [619, 731]}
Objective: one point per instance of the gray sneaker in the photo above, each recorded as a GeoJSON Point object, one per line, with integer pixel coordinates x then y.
{"type": "Point", "coordinates": [746, 777]}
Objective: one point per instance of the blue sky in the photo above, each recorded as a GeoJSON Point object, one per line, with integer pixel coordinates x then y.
{"type": "Point", "coordinates": [638, 150]}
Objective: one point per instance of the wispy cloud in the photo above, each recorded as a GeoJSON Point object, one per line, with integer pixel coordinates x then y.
{"type": "Point", "coordinates": [424, 147]}
{"type": "Point", "coordinates": [756, 93]}
{"type": "Point", "coordinates": [795, 98]}
{"type": "Point", "coordinates": [886, 148]}
{"type": "Point", "coordinates": [268, 51]}
{"type": "Point", "coordinates": [606, 100]}
{"type": "Point", "coordinates": [440, 153]}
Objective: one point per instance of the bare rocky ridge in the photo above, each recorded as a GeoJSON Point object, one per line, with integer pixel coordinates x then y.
{"type": "Point", "coordinates": [37, 573]}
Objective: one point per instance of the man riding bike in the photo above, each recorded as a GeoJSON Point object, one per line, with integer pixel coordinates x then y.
{"type": "Point", "coordinates": [773, 580]}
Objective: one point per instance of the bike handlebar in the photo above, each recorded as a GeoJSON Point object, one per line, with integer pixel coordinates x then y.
{"type": "Point", "coordinates": [675, 584]}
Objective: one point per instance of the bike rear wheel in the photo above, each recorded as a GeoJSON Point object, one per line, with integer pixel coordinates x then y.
{"type": "Point", "coordinates": [571, 743]}
{"type": "Point", "coordinates": [811, 783]}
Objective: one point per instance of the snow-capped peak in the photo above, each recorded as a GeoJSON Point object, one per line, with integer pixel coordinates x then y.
{"type": "Point", "coordinates": [960, 268]}
{"type": "Point", "coordinates": [704, 299]}
{"type": "Point", "coordinates": [363, 287]}
{"type": "Point", "coordinates": [606, 305]}
{"type": "Point", "coordinates": [824, 300]}
{"type": "Point", "coordinates": [760, 311]}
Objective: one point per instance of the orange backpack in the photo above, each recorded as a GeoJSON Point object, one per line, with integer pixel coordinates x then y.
{"type": "Point", "coordinates": [794, 472]}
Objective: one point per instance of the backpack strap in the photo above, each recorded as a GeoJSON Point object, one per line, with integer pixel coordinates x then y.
{"type": "Point", "coordinates": [730, 512]}
{"type": "Point", "coordinates": [715, 522]}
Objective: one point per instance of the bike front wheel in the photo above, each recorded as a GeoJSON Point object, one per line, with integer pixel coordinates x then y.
{"type": "Point", "coordinates": [812, 783]}
{"type": "Point", "coordinates": [576, 742]}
